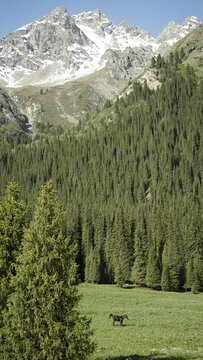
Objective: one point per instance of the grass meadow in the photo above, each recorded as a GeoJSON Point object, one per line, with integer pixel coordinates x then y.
{"type": "Point", "coordinates": [161, 325]}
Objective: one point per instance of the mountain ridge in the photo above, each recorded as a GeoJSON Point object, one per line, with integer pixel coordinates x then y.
{"type": "Point", "coordinates": [60, 47]}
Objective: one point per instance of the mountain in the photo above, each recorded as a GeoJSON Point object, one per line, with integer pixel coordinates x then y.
{"type": "Point", "coordinates": [59, 47]}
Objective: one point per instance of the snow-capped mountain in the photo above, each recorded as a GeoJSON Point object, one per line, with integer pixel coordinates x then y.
{"type": "Point", "coordinates": [174, 32]}
{"type": "Point", "coordinates": [59, 47]}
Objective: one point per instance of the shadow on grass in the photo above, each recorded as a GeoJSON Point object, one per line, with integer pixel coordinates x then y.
{"type": "Point", "coordinates": [149, 357]}
{"type": "Point", "coordinates": [127, 287]}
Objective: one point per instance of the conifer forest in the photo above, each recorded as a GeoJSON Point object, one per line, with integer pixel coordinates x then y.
{"type": "Point", "coordinates": [129, 179]}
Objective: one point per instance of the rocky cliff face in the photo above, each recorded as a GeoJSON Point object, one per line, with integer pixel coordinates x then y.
{"type": "Point", "coordinates": [127, 64]}
{"type": "Point", "coordinates": [10, 116]}
{"type": "Point", "coordinates": [59, 47]}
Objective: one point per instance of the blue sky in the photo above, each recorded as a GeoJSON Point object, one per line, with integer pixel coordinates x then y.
{"type": "Point", "coordinates": [150, 15]}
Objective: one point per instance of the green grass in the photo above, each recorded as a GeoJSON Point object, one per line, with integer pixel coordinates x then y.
{"type": "Point", "coordinates": [161, 325]}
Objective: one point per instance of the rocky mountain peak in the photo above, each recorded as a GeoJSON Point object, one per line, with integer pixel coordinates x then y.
{"type": "Point", "coordinates": [60, 10]}
{"type": "Point", "coordinates": [95, 20]}
{"type": "Point", "coordinates": [168, 33]}
{"type": "Point", "coordinates": [57, 13]}
{"type": "Point", "coordinates": [58, 17]}
{"type": "Point", "coordinates": [192, 19]}
{"type": "Point", "coordinates": [98, 13]}
{"type": "Point", "coordinates": [124, 25]}
{"type": "Point", "coordinates": [174, 32]}
{"type": "Point", "coordinates": [91, 16]}
{"type": "Point", "coordinates": [191, 22]}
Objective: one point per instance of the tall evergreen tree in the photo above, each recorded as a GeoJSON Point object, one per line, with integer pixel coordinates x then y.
{"type": "Point", "coordinates": [123, 253]}
{"type": "Point", "coordinates": [12, 221]}
{"type": "Point", "coordinates": [153, 276]}
{"type": "Point", "coordinates": [109, 252]}
{"type": "Point", "coordinates": [41, 321]}
{"type": "Point", "coordinates": [93, 273]}
{"type": "Point", "coordinates": [165, 277]}
{"type": "Point", "coordinates": [140, 253]}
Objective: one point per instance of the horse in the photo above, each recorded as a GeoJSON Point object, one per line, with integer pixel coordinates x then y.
{"type": "Point", "coordinates": [119, 318]}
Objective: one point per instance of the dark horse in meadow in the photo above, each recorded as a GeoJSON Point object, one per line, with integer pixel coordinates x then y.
{"type": "Point", "coordinates": [119, 318]}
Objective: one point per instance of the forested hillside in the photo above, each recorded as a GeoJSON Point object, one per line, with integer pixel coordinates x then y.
{"type": "Point", "coordinates": [130, 180]}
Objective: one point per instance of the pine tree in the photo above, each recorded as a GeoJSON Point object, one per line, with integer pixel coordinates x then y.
{"type": "Point", "coordinates": [139, 268]}
{"type": "Point", "coordinates": [109, 252]}
{"type": "Point", "coordinates": [119, 273]}
{"type": "Point", "coordinates": [198, 273]}
{"type": "Point", "coordinates": [95, 265]}
{"type": "Point", "coordinates": [189, 274]}
{"type": "Point", "coordinates": [153, 276]}
{"type": "Point", "coordinates": [165, 276]}
{"type": "Point", "coordinates": [194, 247]}
{"type": "Point", "coordinates": [123, 253]}
{"type": "Point", "coordinates": [174, 253]}
{"type": "Point", "coordinates": [41, 321]}
{"type": "Point", "coordinates": [12, 221]}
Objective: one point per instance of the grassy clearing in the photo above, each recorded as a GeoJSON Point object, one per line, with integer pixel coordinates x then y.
{"type": "Point", "coordinates": [161, 325]}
